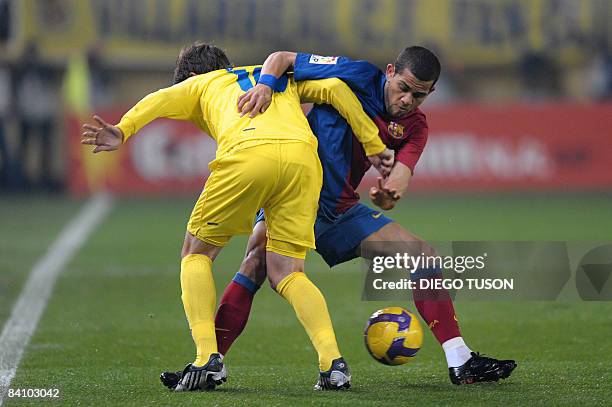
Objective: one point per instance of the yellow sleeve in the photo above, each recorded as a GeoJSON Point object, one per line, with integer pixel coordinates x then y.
{"type": "Point", "coordinates": [179, 102]}
{"type": "Point", "coordinates": [334, 92]}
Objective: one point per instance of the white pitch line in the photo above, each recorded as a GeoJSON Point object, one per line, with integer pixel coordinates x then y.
{"type": "Point", "coordinates": [36, 292]}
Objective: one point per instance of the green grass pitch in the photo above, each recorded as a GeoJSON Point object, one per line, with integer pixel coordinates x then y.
{"type": "Point", "coordinates": [115, 319]}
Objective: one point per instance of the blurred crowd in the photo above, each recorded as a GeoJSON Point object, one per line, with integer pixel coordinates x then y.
{"type": "Point", "coordinates": [32, 108]}
{"type": "Point", "coordinates": [29, 109]}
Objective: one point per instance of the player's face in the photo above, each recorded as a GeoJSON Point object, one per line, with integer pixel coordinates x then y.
{"type": "Point", "coordinates": [404, 92]}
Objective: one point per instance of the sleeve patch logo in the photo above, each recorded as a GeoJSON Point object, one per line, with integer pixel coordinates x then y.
{"type": "Point", "coordinates": [318, 59]}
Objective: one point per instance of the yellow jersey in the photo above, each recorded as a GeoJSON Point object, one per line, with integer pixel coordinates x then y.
{"type": "Point", "coordinates": [210, 102]}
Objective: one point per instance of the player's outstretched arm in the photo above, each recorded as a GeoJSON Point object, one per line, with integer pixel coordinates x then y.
{"type": "Point", "coordinates": [257, 99]}
{"type": "Point", "coordinates": [180, 102]}
{"type": "Point", "coordinates": [106, 137]}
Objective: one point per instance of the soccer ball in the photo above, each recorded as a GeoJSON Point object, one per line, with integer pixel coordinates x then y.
{"type": "Point", "coordinates": [393, 336]}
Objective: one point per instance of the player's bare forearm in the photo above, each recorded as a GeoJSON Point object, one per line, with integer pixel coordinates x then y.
{"type": "Point", "coordinates": [398, 181]}
{"type": "Point", "coordinates": [278, 63]}
{"type": "Point", "coordinates": [390, 190]}
{"type": "Point", "coordinates": [383, 161]}
{"type": "Point", "coordinates": [257, 99]}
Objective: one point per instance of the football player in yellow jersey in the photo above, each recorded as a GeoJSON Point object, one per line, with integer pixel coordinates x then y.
{"type": "Point", "coordinates": [269, 161]}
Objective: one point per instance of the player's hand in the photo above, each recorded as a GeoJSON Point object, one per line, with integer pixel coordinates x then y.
{"type": "Point", "coordinates": [383, 197]}
{"type": "Point", "coordinates": [383, 162]}
{"type": "Point", "coordinates": [256, 100]}
{"type": "Point", "coordinates": [105, 138]}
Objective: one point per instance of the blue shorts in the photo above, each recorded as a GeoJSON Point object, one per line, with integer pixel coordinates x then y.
{"type": "Point", "coordinates": [337, 241]}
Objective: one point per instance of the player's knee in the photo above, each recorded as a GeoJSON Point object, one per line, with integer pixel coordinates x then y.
{"type": "Point", "coordinates": [275, 278]}
{"type": "Point", "coordinates": [427, 249]}
{"type": "Point", "coordinates": [193, 245]}
{"type": "Point", "coordinates": [273, 282]}
{"type": "Point", "coordinates": [414, 245]}
{"type": "Point", "coordinates": [420, 247]}
{"type": "Point", "coordinates": [185, 250]}
{"type": "Point", "coordinates": [280, 266]}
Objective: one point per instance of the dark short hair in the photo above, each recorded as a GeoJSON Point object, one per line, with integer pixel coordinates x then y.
{"type": "Point", "coordinates": [199, 58]}
{"type": "Point", "coordinates": [420, 61]}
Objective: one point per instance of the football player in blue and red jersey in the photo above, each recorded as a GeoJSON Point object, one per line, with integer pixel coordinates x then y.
{"type": "Point", "coordinates": [345, 228]}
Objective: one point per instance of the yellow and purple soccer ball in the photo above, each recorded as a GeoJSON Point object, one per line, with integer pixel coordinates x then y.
{"type": "Point", "coordinates": [393, 336]}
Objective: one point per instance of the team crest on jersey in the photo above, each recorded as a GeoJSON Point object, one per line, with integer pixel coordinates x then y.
{"type": "Point", "coordinates": [396, 130]}
{"type": "Point", "coordinates": [318, 59]}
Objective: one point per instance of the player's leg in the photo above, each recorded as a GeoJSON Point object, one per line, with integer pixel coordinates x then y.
{"type": "Point", "coordinates": [287, 277]}
{"type": "Point", "coordinates": [290, 216]}
{"type": "Point", "coordinates": [436, 307]}
{"type": "Point", "coordinates": [357, 232]}
{"type": "Point", "coordinates": [235, 304]}
{"type": "Point", "coordinates": [353, 234]}
{"type": "Point", "coordinates": [199, 294]}
{"type": "Point", "coordinates": [199, 297]}
{"type": "Point", "coordinates": [232, 193]}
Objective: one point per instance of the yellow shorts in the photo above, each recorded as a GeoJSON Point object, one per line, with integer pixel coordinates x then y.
{"type": "Point", "coordinates": [283, 178]}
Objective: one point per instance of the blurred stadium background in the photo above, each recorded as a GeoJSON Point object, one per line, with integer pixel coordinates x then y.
{"type": "Point", "coordinates": [519, 149]}
{"type": "Point", "coordinates": [521, 104]}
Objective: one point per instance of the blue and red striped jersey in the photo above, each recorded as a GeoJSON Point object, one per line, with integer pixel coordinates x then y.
{"type": "Point", "coordinates": [342, 157]}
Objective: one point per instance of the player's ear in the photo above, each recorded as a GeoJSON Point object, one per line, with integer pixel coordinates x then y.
{"type": "Point", "coordinates": [390, 71]}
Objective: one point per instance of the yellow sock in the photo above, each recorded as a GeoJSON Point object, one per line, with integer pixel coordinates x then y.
{"type": "Point", "coordinates": [311, 309]}
{"type": "Point", "coordinates": [199, 299]}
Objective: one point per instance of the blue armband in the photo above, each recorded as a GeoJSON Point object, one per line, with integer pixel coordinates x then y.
{"type": "Point", "coordinates": [269, 80]}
